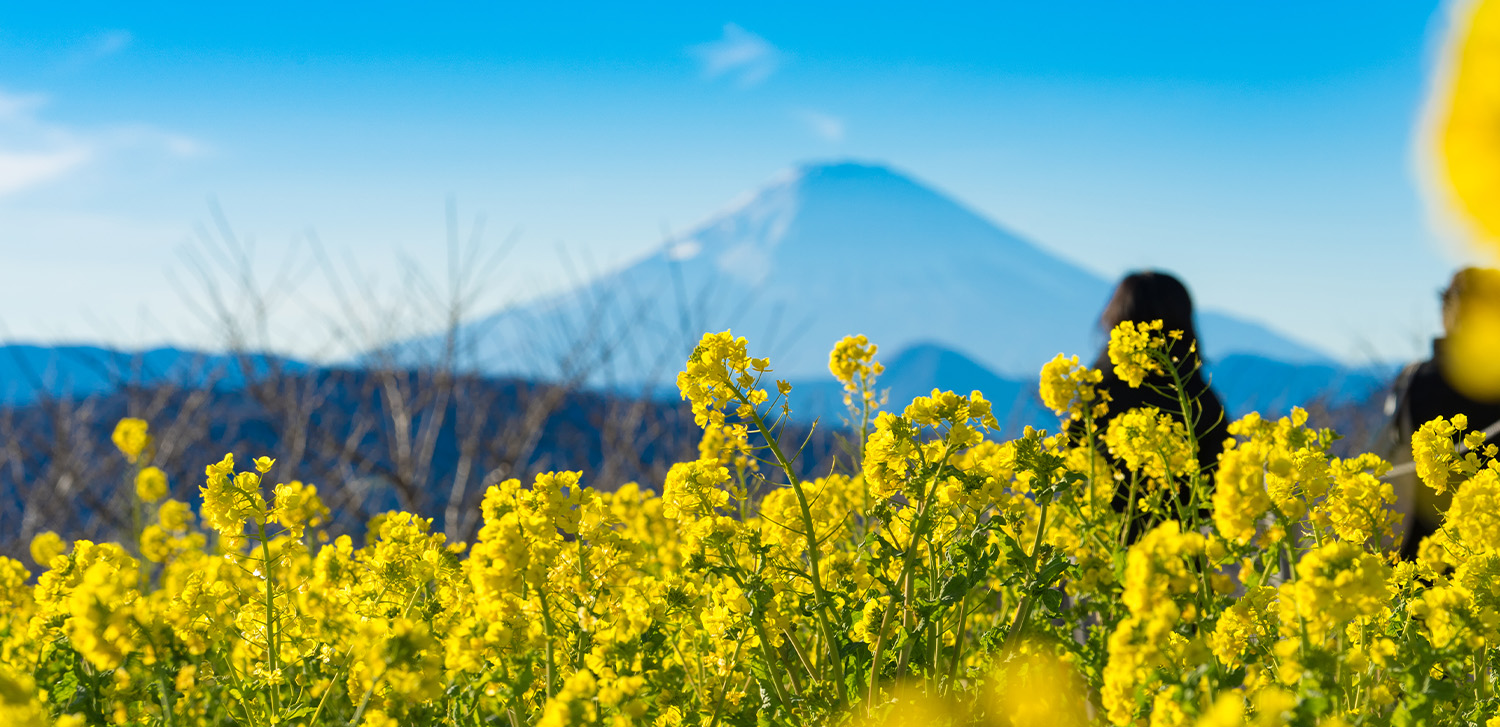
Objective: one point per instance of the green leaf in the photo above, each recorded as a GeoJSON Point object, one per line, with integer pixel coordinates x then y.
{"type": "Point", "coordinates": [1052, 599]}
{"type": "Point", "coordinates": [66, 691]}
{"type": "Point", "coordinates": [1053, 569]}
{"type": "Point", "coordinates": [954, 589]}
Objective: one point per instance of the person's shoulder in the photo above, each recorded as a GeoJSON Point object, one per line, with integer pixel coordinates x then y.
{"type": "Point", "coordinates": [1425, 370]}
{"type": "Point", "coordinates": [1421, 378]}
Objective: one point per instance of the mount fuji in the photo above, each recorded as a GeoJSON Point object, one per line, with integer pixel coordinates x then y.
{"type": "Point", "coordinates": [825, 251]}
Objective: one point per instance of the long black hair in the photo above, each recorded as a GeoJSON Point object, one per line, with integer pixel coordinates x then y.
{"type": "Point", "coordinates": [1148, 296]}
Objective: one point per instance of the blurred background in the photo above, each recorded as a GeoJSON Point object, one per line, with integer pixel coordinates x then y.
{"type": "Point", "coordinates": [410, 252]}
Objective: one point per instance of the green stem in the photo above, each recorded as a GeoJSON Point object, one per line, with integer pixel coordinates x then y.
{"type": "Point", "coordinates": [541, 594]}
{"type": "Point", "coordinates": [937, 618]}
{"type": "Point", "coordinates": [908, 562]}
{"type": "Point", "coordinates": [583, 577]}
{"type": "Point", "coordinates": [364, 701]}
{"type": "Point", "coordinates": [166, 701]}
{"type": "Point", "coordinates": [1135, 480]}
{"type": "Point", "coordinates": [907, 620]}
{"type": "Point", "coordinates": [823, 601]}
{"type": "Point", "coordinates": [271, 636]}
{"type": "Point", "coordinates": [791, 638]}
{"type": "Point", "coordinates": [1023, 611]}
{"type": "Point", "coordinates": [773, 665]}
{"type": "Point", "coordinates": [724, 685]}
{"type": "Point", "coordinates": [958, 641]}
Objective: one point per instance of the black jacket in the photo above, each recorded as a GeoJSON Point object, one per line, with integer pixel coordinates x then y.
{"type": "Point", "coordinates": [1420, 395]}
{"type": "Point", "coordinates": [1209, 420]}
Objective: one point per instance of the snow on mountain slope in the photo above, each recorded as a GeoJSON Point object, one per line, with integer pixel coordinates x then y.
{"type": "Point", "coordinates": [825, 251]}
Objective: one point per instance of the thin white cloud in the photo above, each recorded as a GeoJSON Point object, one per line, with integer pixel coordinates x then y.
{"type": "Point", "coordinates": [94, 48]}
{"type": "Point", "coordinates": [15, 107]}
{"type": "Point", "coordinates": [740, 54]}
{"type": "Point", "coordinates": [111, 42]}
{"type": "Point", "coordinates": [140, 136]}
{"type": "Point", "coordinates": [35, 151]}
{"type": "Point", "coordinates": [19, 170]}
{"type": "Point", "coordinates": [825, 126]}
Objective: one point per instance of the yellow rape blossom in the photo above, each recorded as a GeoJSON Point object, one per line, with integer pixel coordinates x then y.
{"type": "Point", "coordinates": [150, 484]}
{"type": "Point", "coordinates": [1474, 516]}
{"type": "Point", "coordinates": [1240, 497]}
{"type": "Point", "coordinates": [1335, 584]}
{"type": "Point", "coordinates": [1150, 442]}
{"type": "Point", "coordinates": [1067, 388]}
{"type": "Point", "coordinates": [1465, 113]}
{"type": "Point", "coordinates": [297, 506]}
{"type": "Point", "coordinates": [1134, 348]}
{"type": "Point", "coordinates": [131, 438]}
{"type": "Point", "coordinates": [695, 489]}
{"type": "Point", "coordinates": [175, 516]}
{"type": "Point", "coordinates": [720, 376]}
{"type": "Point", "coordinates": [1433, 451]}
{"type": "Point", "coordinates": [1249, 621]}
{"type": "Point", "coordinates": [46, 546]}
{"type": "Point", "coordinates": [1358, 507]}
{"type": "Point", "coordinates": [229, 499]}
{"type": "Point", "coordinates": [852, 362]}
{"type": "Point", "coordinates": [100, 623]}
{"type": "Point", "coordinates": [19, 705]}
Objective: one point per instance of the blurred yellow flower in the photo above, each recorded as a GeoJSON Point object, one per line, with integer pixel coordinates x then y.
{"type": "Point", "coordinates": [46, 546]}
{"type": "Point", "coordinates": [131, 438]}
{"type": "Point", "coordinates": [150, 484]}
{"type": "Point", "coordinates": [1465, 113]}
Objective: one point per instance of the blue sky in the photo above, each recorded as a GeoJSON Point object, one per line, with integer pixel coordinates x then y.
{"type": "Point", "coordinates": [1263, 150]}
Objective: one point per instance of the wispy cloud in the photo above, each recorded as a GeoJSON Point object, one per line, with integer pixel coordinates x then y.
{"type": "Point", "coordinates": [35, 151]}
{"type": "Point", "coordinates": [111, 42]}
{"type": "Point", "coordinates": [740, 54]}
{"type": "Point", "coordinates": [97, 47]}
{"type": "Point", "coordinates": [19, 170]}
{"type": "Point", "coordinates": [826, 126]}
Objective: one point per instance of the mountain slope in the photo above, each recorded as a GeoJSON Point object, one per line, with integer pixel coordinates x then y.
{"type": "Point", "coordinates": [826, 251]}
{"type": "Point", "coordinates": [918, 370]}
{"type": "Point", "coordinates": [29, 372]}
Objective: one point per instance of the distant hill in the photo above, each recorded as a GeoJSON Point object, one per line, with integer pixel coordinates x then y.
{"type": "Point", "coordinates": [915, 372]}
{"type": "Point", "coordinates": [823, 252]}
{"type": "Point", "coordinates": [1245, 382]}
{"type": "Point", "coordinates": [1256, 383]}
{"type": "Point", "coordinates": [79, 371]}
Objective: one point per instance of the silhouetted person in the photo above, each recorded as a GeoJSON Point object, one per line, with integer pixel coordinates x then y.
{"type": "Point", "coordinates": [1424, 391]}
{"type": "Point", "coordinates": [1144, 297]}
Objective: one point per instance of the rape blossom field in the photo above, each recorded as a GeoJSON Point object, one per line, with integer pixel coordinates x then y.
{"type": "Point", "coordinates": [952, 576]}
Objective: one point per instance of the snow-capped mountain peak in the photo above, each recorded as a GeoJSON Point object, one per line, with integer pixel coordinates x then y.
{"type": "Point", "coordinates": [824, 251]}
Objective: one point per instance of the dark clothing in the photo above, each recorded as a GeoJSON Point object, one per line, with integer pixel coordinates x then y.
{"type": "Point", "coordinates": [1209, 421]}
{"type": "Point", "coordinates": [1420, 395]}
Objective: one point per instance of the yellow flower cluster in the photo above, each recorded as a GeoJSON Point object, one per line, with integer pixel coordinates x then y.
{"type": "Point", "coordinates": [1159, 584]}
{"type": "Point", "coordinates": [1067, 388]}
{"type": "Point", "coordinates": [1437, 459]}
{"type": "Point", "coordinates": [1150, 442]}
{"type": "Point", "coordinates": [944, 575]}
{"type": "Point", "coordinates": [852, 363]}
{"type": "Point", "coordinates": [1136, 350]}
{"type": "Point", "coordinates": [131, 438]}
{"type": "Point", "coordinates": [932, 429]}
{"type": "Point", "coordinates": [230, 498]}
{"type": "Point", "coordinates": [720, 376]}
{"type": "Point", "coordinates": [150, 484]}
